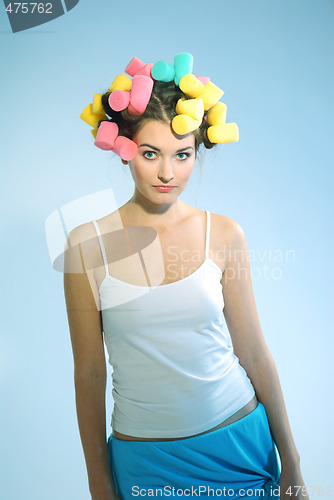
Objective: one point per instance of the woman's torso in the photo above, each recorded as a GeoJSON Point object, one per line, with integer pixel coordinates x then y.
{"type": "Point", "coordinates": [183, 252]}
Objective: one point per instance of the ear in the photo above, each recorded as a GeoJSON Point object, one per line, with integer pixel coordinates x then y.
{"type": "Point", "coordinates": [125, 162]}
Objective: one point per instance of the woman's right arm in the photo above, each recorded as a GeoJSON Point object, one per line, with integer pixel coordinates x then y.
{"type": "Point", "coordinates": [89, 362]}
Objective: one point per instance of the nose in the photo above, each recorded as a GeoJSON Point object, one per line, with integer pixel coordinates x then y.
{"type": "Point", "coordinates": [166, 173]}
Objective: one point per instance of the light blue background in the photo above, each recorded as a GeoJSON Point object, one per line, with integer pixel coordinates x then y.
{"type": "Point", "coordinates": [274, 60]}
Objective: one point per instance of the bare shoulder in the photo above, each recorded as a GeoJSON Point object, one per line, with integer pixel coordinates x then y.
{"type": "Point", "coordinates": [227, 229]}
{"type": "Point", "coordinates": [87, 231]}
{"type": "Point", "coordinates": [227, 237]}
{"type": "Point", "coordinates": [82, 249]}
{"type": "Point", "coordinates": [83, 243]}
{"type": "Point", "coordinates": [81, 234]}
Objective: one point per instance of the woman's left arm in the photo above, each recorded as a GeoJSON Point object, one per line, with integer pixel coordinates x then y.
{"type": "Point", "coordinates": [250, 347]}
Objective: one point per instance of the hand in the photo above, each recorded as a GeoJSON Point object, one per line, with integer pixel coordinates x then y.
{"type": "Point", "coordinates": [291, 484]}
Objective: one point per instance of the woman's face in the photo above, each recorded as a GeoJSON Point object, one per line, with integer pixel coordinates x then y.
{"type": "Point", "coordinates": [163, 164]}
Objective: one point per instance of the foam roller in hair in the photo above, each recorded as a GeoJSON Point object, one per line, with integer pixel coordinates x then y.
{"type": "Point", "coordinates": [184, 124]}
{"type": "Point", "coordinates": [163, 72]}
{"type": "Point", "coordinates": [210, 95]}
{"type": "Point", "coordinates": [226, 132]}
{"type": "Point", "coordinates": [191, 107]}
{"type": "Point", "coordinates": [91, 118]}
{"type": "Point", "coordinates": [217, 114]}
{"type": "Point", "coordinates": [121, 82]}
{"type": "Point", "coordinates": [125, 148]}
{"type": "Point", "coordinates": [119, 100]}
{"type": "Point", "coordinates": [203, 79]}
{"type": "Point", "coordinates": [106, 135]}
{"type": "Point", "coordinates": [190, 85]}
{"type": "Point", "coordinates": [183, 64]}
{"type": "Point", "coordinates": [145, 70]}
{"type": "Point", "coordinates": [140, 94]}
{"type": "Point", "coordinates": [97, 104]}
{"type": "Point", "coordinates": [134, 66]}
{"type": "Point", "coordinates": [116, 116]}
{"type": "Point", "coordinates": [132, 111]}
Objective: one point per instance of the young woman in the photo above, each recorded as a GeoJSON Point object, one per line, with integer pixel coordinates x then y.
{"type": "Point", "coordinates": [197, 410]}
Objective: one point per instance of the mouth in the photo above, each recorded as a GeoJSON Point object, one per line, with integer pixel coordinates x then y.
{"type": "Point", "coordinates": [164, 189]}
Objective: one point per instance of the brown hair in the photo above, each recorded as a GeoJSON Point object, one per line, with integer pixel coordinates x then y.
{"type": "Point", "coordinates": [161, 107]}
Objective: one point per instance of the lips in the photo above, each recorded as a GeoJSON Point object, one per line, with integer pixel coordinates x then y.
{"type": "Point", "coordinates": [164, 189]}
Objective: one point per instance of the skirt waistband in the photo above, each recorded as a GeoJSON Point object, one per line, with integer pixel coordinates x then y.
{"type": "Point", "coordinates": [240, 414]}
{"type": "Point", "coordinates": [241, 455]}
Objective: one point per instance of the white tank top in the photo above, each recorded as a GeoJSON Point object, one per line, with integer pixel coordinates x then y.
{"type": "Point", "coordinates": [174, 370]}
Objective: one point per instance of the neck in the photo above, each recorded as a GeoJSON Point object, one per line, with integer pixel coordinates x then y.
{"type": "Point", "coordinates": [141, 211]}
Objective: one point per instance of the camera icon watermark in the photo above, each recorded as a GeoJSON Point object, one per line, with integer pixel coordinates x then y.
{"type": "Point", "coordinates": [133, 251]}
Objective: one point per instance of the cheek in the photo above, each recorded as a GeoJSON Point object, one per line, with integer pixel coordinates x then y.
{"type": "Point", "coordinates": [139, 172]}
{"type": "Point", "coordinates": [187, 171]}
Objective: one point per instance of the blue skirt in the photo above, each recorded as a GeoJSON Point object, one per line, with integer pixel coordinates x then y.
{"type": "Point", "coordinates": [235, 461]}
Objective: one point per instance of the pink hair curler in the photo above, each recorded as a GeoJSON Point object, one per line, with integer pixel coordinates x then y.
{"type": "Point", "coordinates": [134, 66]}
{"type": "Point", "coordinates": [203, 79]}
{"type": "Point", "coordinates": [140, 94]}
{"type": "Point", "coordinates": [145, 70]}
{"type": "Point", "coordinates": [106, 135]}
{"type": "Point", "coordinates": [132, 111]}
{"type": "Point", "coordinates": [119, 100]}
{"type": "Point", "coordinates": [125, 148]}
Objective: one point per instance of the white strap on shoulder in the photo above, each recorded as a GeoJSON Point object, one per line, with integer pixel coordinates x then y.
{"type": "Point", "coordinates": [101, 246]}
{"type": "Point", "coordinates": [207, 234]}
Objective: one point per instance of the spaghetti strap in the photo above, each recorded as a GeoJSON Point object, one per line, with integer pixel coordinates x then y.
{"type": "Point", "coordinates": [101, 246]}
{"type": "Point", "coordinates": [207, 234]}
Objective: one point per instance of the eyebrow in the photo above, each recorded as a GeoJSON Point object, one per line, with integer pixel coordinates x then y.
{"type": "Point", "coordinates": [157, 149]}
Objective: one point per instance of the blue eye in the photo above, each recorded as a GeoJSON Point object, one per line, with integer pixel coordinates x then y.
{"type": "Point", "coordinates": [185, 156]}
{"type": "Point", "coordinates": [149, 154]}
